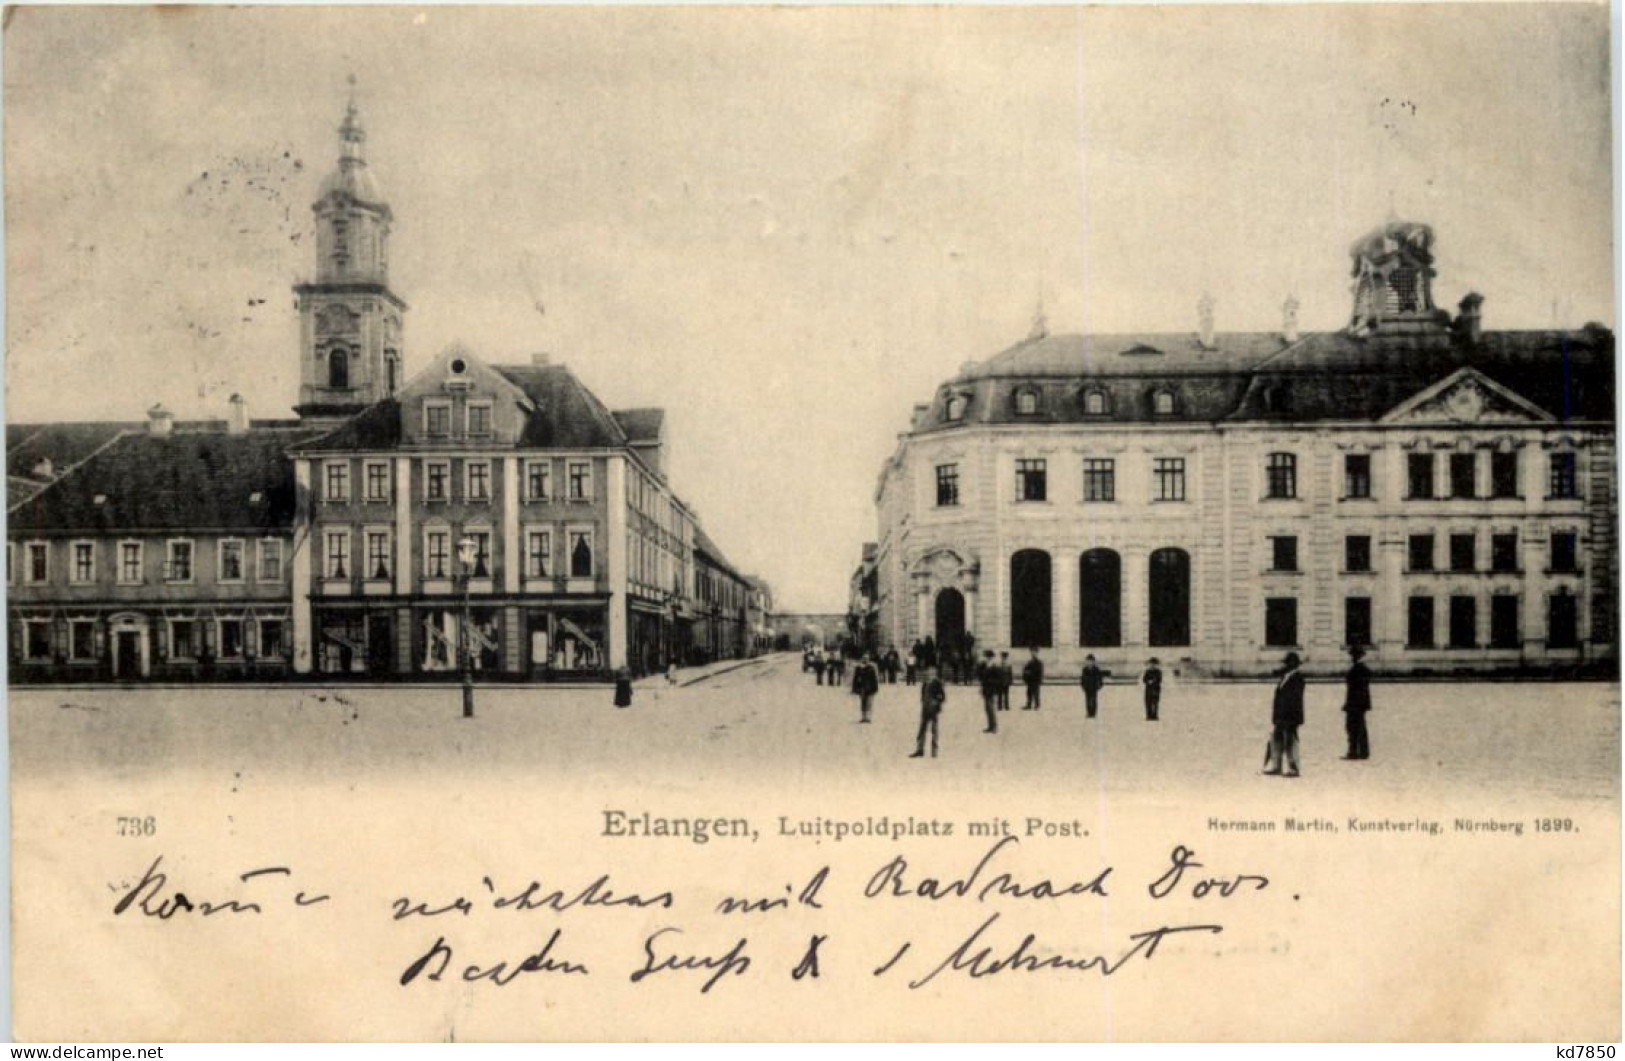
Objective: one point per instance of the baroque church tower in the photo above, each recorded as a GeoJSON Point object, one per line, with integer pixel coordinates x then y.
{"type": "Point", "coordinates": [349, 320]}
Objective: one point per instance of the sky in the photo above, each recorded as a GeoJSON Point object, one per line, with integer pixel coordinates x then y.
{"type": "Point", "coordinates": [783, 225]}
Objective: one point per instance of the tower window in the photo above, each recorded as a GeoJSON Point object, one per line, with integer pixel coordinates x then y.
{"type": "Point", "coordinates": [338, 369]}
{"type": "Point", "coordinates": [1094, 403]}
{"type": "Point", "coordinates": [1162, 402]}
{"type": "Point", "coordinates": [1026, 401]}
{"type": "Point", "coordinates": [955, 409]}
{"type": "Point", "coordinates": [392, 371]}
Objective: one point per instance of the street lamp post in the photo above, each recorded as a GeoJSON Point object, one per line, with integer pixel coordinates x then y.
{"type": "Point", "coordinates": [465, 646]}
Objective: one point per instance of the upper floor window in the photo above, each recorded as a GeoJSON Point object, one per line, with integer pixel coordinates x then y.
{"type": "Point", "coordinates": [437, 481]}
{"type": "Point", "coordinates": [337, 477]}
{"type": "Point", "coordinates": [580, 480]}
{"type": "Point", "coordinates": [1357, 475]}
{"type": "Point", "coordinates": [1282, 475]}
{"type": "Point", "coordinates": [392, 372]}
{"type": "Point", "coordinates": [270, 560]}
{"type": "Point", "coordinates": [377, 481]}
{"type": "Point", "coordinates": [1357, 552]}
{"type": "Point", "coordinates": [1504, 474]}
{"type": "Point", "coordinates": [338, 369]}
{"type": "Point", "coordinates": [1027, 401]}
{"type": "Point", "coordinates": [479, 419]}
{"type": "Point", "coordinates": [1031, 482]}
{"type": "Point", "coordinates": [1564, 484]}
{"type": "Point", "coordinates": [1099, 479]}
{"type": "Point", "coordinates": [1162, 402]}
{"type": "Point", "coordinates": [1463, 553]}
{"type": "Point", "coordinates": [1504, 552]}
{"type": "Point", "coordinates": [947, 485]}
{"type": "Point", "coordinates": [1565, 552]}
{"type": "Point", "coordinates": [336, 554]}
{"type": "Point", "coordinates": [1419, 475]}
{"type": "Point", "coordinates": [437, 419]}
{"type": "Point", "coordinates": [1464, 475]}
{"type": "Point", "coordinates": [1168, 478]}
{"type": "Point", "coordinates": [129, 563]}
{"type": "Point", "coordinates": [231, 560]}
{"type": "Point", "coordinates": [38, 567]}
{"type": "Point", "coordinates": [84, 563]}
{"type": "Point", "coordinates": [378, 554]}
{"type": "Point", "coordinates": [178, 568]}
{"type": "Point", "coordinates": [478, 476]}
{"type": "Point", "coordinates": [1094, 403]}
{"type": "Point", "coordinates": [955, 406]}
{"type": "Point", "coordinates": [581, 554]}
{"type": "Point", "coordinates": [537, 474]}
{"type": "Point", "coordinates": [436, 553]}
{"type": "Point", "coordinates": [1421, 552]}
{"type": "Point", "coordinates": [538, 554]}
{"type": "Point", "coordinates": [482, 553]}
{"type": "Point", "coordinates": [1284, 553]}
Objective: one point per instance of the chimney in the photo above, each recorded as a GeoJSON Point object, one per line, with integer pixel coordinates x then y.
{"type": "Point", "coordinates": [160, 421]}
{"type": "Point", "coordinates": [541, 359]}
{"type": "Point", "coordinates": [1470, 322]}
{"type": "Point", "coordinates": [1289, 319]}
{"type": "Point", "coordinates": [918, 417]}
{"type": "Point", "coordinates": [1204, 319]}
{"type": "Point", "coordinates": [44, 469]}
{"type": "Point", "coordinates": [237, 418]}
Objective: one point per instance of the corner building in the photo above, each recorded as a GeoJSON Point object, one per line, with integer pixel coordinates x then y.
{"type": "Point", "coordinates": [1443, 495]}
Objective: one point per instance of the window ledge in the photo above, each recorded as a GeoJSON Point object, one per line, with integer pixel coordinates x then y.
{"type": "Point", "coordinates": [1357, 572]}
{"type": "Point", "coordinates": [1571, 572]}
{"type": "Point", "coordinates": [1296, 572]}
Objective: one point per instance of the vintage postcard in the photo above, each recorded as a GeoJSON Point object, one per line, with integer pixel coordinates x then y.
{"type": "Point", "coordinates": [888, 523]}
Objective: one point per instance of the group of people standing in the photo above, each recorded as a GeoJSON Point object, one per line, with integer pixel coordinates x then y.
{"type": "Point", "coordinates": [1286, 714]}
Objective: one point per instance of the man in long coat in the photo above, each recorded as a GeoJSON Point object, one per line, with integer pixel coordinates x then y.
{"type": "Point", "coordinates": [1356, 702]}
{"type": "Point", "coordinates": [1287, 715]}
{"type": "Point", "coordinates": [1093, 679]}
{"type": "Point", "coordinates": [865, 684]}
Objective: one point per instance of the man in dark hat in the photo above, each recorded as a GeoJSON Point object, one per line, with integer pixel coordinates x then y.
{"type": "Point", "coordinates": [1356, 702]}
{"type": "Point", "coordinates": [932, 696]}
{"type": "Point", "coordinates": [988, 672]}
{"type": "Point", "coordinates": [1287, 716]}
{"type": "Point", "coordinates": [1092, 679]}
{"type": "Point", "coordinates": [1151, 678]}
{"type": "Point", "coordinates": [1032, 676]}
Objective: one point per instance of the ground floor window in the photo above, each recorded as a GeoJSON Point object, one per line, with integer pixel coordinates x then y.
{"type": "Point", "coordinates": [82, 639]}
{"type": "Point", "coordinates": [1357, 621]}
{"type": "Point", "coordinates": [231, 639]}
{"type": "Point", "coordinates": [272, 644]}
{"type": "Point", "coordinates": [1463, 622]}
{"type": "Point", "coordinates": [1504, 622]}
{"type": "Point", "coordinates": [441, 643]}
{"type": "Point", "coordinates": [1562, 621]}
{"type": "Point", "coordinates": [567, 639]}
{"type": "Point", "coordinates": [37, 639]}
{"type": "Point", "coordinates": [1419, 623]}
{"type": "Point", "coordinates": [1281, 622]}
{"type": "Point", "coordinates": [182, 639]}
{"type": "Point", "coordinates": [342, 645]}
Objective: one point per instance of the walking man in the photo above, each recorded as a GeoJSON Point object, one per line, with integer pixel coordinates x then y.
{"type": "Point", "coordinates": [932, 696]}
{"type": "Point", "coordinates": [1093, 678]}
{"type": "Point", "coordinates": [1287, 715]}
{"type": "Point", "coordinates": [1356, 702]}
{"type": "Point", "coordinates": [865, 684]}
{"type": "Point", "coordinates": [988, 672]}
{"type": "Point", "coordinates": [1151, 678]}
{"type": "Point", "coordinates": [1032, 676]}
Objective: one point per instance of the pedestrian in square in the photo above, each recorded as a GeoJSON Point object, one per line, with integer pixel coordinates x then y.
{"type": "Point", "coordinates": [1032, 676]}
{"type": "Point", "coordinates": [913, 663]}
{"type": "Point", "coordinates": [1092, 679]}
{"type": "Point", "coordinates": [1007, 678]}
{"type": "Point", "coordinates": [932, 697]}
{"type": "Point", "coordinates": [865, 684]}
{"type": "Point", "coordinates": [1286, 713]}
{"type": "Point", "coordinates": [818, 663]}
{"type": "Point", "coordinates": [1356, 703]}
{"type": "Point", "coordinates": [623, 688]}
{"type": "Point", "coordinates": [987, 672]}
{"type": "Point", "coordinates": [1151, 678]}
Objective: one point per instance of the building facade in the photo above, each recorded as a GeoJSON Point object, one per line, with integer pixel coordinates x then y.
{"type": "Point", "coordinates": [335, 543]}
{"type": "Point", "coordinates": [1442, 495]}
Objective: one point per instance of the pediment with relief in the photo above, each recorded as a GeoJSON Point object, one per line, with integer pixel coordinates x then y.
{"type": "Point", "coordinates": [1466, 397]}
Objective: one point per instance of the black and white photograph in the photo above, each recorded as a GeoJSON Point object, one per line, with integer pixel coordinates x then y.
{"type": "Point", "coordinates": [812, 523]}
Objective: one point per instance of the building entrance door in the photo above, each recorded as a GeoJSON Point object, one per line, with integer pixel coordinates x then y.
{"type": "Point", "coordinates": [380, 647]}
{"type": "Point", "coordinates": [126, 655]}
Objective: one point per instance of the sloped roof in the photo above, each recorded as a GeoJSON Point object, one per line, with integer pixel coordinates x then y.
{"type": "Point", "coordinates": [378, 426]}
{"type": "Point", "coordinates": [641, 425]}
{"type": "Point", "coordinates": [1258, 376]}
{"type": "Point", "coordinates": [183, 482]}
{"type": "Point", "coordinates": [567, 413]}
{"type": "Point", "coordinates": [704, 546]}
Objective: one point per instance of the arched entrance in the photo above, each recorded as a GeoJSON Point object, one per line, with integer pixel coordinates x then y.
{"type": "Point", "coordinates": [950, 617]}
{"type": "Point", "coordinates": [1100, 599]}
{"type": "Point", "coordinates": [1030, 599]}
{"type": "Point", "coordinates": [1170, 597]}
